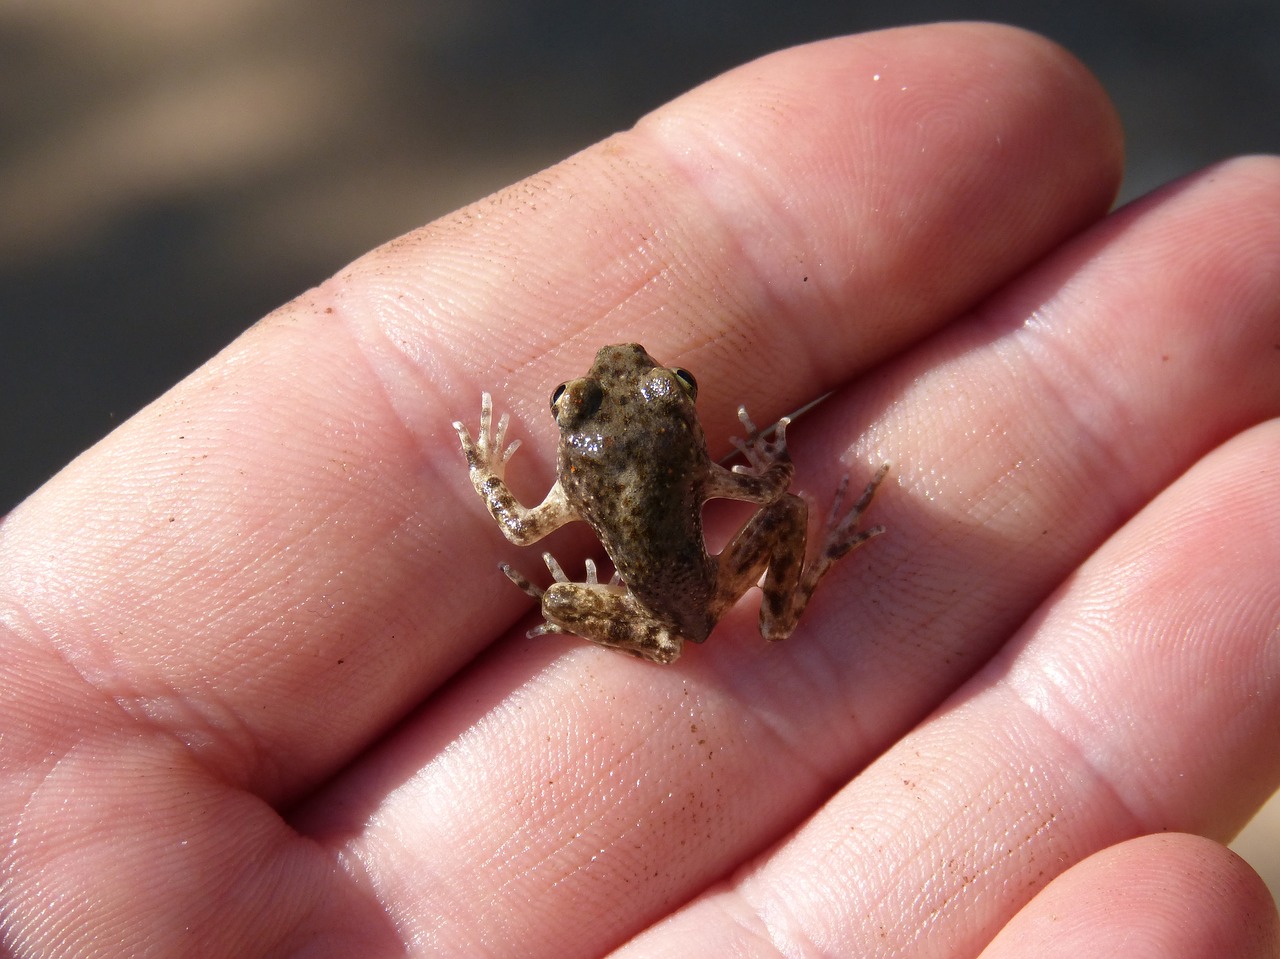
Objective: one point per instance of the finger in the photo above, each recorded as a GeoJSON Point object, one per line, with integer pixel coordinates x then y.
{"type": "Point", "coordinates": [1142, 698]}
{"type": "Point", "coordinates": [267, 561]}
{"type": "Point", "coordinates": [1173, 896]}
{"type": "Point", "coordinates": [790, 223]}
{"type": "Point", "coordinates": [1026, 436]}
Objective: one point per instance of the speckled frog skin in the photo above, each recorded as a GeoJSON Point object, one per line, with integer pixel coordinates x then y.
{"type": "Point", "coordinates": [633, 463]}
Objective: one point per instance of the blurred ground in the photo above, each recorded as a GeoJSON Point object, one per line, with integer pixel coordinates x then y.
{"type": "Point", "coordinates": [169, 172]}
{"type": "Point", "coordinates": [1260, 844]}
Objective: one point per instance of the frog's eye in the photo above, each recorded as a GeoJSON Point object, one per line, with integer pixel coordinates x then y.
{"type": "Point", "coordinates": [687, 381]}
{"type": "Point", "coordinates": [556, 394]}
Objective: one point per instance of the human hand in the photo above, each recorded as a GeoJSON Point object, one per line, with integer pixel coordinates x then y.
{"type": "Point", "coordinates": [265, 692]}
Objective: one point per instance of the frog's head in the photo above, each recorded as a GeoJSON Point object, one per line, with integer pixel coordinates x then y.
{"type": "Point", "coordinates": [626, 390]}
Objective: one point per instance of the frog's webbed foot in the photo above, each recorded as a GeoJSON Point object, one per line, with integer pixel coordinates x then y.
{"type": "Point", "coordinates": [486, 457]}
{"type": "Point", "coordinates": [841, 534]}
{"type": "Point", "coordinates": [760, 452]}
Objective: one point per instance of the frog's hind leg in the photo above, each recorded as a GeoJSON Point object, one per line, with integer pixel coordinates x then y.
{"type": "Point", "coordinates": [604, 613]}
{"type": "Point", "coordinates": [611, 616]}
{"type": "Point", "coordinates": [841, 536]}
{"type": "Point", "coordinates": [771, 542]}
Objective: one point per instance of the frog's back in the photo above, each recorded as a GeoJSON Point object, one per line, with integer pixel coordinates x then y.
{"type": "Point", "coordinates": [634, 465]}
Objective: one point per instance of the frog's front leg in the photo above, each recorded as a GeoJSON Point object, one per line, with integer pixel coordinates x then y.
{"type": "Point", "coordinates": [768, 471]}
{"type": "Point", "coordinates": [487, 465]}
{"type": "Point", "coordinates": [605, 613]}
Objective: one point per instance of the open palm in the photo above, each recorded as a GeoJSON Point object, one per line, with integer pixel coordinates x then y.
{"type": "Point", "coordinates": [265, 692]}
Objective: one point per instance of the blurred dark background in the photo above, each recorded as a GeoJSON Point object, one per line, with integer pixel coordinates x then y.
{"type": "Point", "coordinates": [169, 172]}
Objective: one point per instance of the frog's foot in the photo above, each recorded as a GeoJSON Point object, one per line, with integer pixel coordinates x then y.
{"type": "Point", "coordinates": [604, 613]}
{"type": "Point", "coordinates": [761, 453]}
{"type": "Point", "coordinates": [610, 616]}
{"type": "Point", "coordinates": [486, 457]}
{"type": "Point", "coordinates": [558, 575]}
{"type": "Point", "coordinates": [842, 535]}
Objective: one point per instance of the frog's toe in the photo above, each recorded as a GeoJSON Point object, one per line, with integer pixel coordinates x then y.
{"type": "Point", "coordinates": [519, 579]}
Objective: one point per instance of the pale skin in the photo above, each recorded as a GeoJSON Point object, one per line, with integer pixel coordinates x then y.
{"type": "Point", "coordinates": [263, 692]}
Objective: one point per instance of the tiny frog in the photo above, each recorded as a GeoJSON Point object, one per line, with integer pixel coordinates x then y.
{"type": "Point", "coordinates": [633, 463]}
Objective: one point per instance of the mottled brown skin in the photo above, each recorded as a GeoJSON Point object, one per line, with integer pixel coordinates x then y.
{"type": "Point", "coordinates": [633, 464]}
